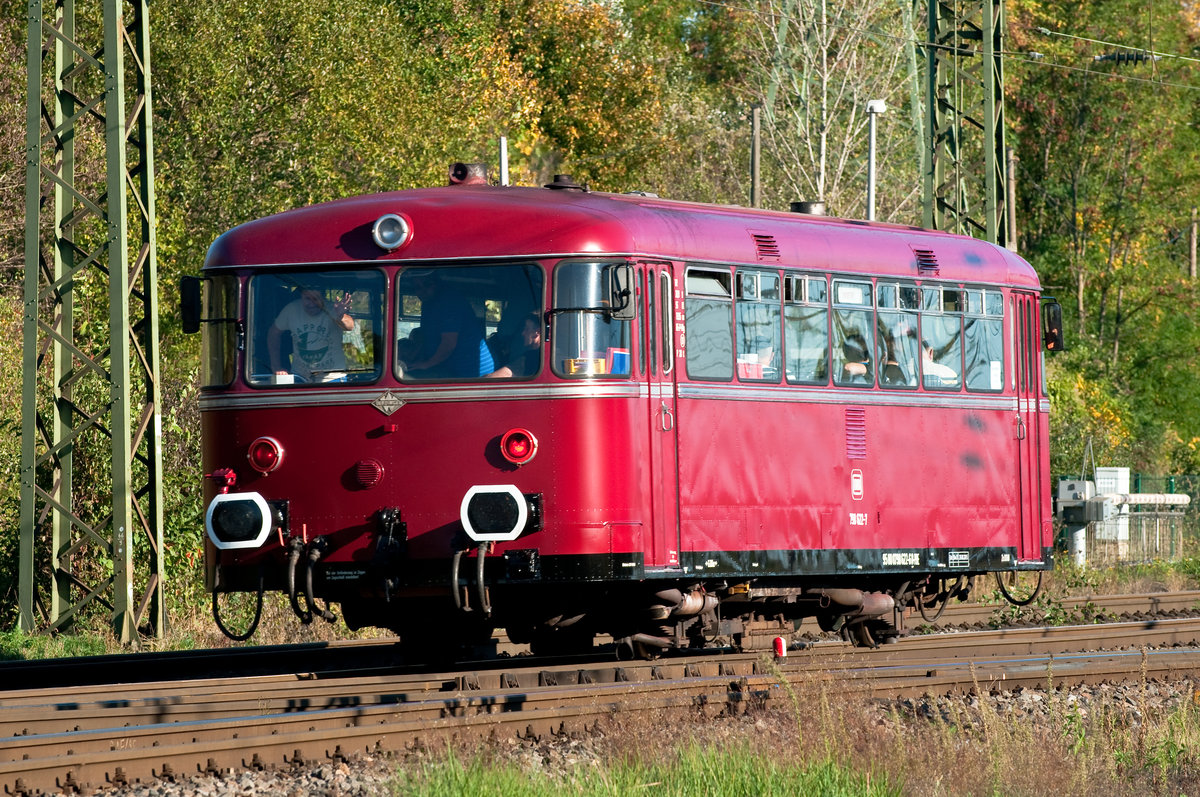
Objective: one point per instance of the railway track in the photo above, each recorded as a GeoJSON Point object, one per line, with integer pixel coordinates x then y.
{"type": "Point", "coordinates": [87, 737]}
{"type": "Point", "coordinates": [368, 655]}
{"type": "Point", "coordinates": [1141, 605]}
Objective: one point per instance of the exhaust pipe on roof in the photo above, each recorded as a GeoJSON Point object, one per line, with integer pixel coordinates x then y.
{"type": "Point", "coordinates": [809, 208]}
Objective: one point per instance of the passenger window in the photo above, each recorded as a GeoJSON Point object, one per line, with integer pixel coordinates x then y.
{"type": "Point", "coordinates": [853, 334]}
{"type": "Point", "coordinates": [983, 335]}
{"type": "Point", "coordinates": [806, 331]}
{"type": "Point", "coordinates": [758, 329]}
{"type": "Point", "coordinates": [898, 347]}
{"type": "Point", "coordinates": [709, 324]}
{"type": "Point", "coordinates": [941, 338]}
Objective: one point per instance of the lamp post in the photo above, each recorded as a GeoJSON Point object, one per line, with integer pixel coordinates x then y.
{"type": "Point", "coordinates": [874, 108]}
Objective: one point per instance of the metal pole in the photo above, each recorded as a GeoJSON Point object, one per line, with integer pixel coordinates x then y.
{"type": "Point", "coordinates": [755, 157]}
{"type": "Point", "coordinates": [118, 323]}
{"type": "Point", "coordinates": [29, 430]}
{"type": "Point", "coordinates": [874, 108]}
{"type": "Point", "coordinates": [503, 160]}
{"type": "Point", "coordinates": [871, 168]}
{"type": "Point", "coordinates": [1192, 245]}
{"type": "Point", "coordinates": [1010, 205]}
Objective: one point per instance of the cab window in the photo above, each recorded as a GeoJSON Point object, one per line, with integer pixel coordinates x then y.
{"type": "Point", "coordinates": [315, 328]}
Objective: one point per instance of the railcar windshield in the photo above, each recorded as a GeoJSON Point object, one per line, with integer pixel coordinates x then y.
{"type": "Point", "coordinates": [457, 323]}
{"type": "Point", "coordinates": [315, 327]}
{"type": "Point", "coordinates": [586, 340]}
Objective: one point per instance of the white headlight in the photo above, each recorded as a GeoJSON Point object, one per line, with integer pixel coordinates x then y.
{"type": "Point", "coordinates": [391, 232]}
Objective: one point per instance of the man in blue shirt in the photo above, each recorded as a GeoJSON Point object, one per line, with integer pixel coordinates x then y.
{"type": "Point", "coordinates": [452, 342]}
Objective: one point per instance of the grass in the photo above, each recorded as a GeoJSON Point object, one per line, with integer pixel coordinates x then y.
{"type": "Point", "coordinates": [15, 645]}
{"type": "Point", "coordinates": [684, 772]}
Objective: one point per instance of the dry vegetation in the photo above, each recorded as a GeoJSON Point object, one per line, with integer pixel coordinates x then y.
{"type": "Point", "coordinates": [1136, 739]}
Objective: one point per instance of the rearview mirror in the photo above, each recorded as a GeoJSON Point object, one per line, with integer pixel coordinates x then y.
{"type": "Point", "coordinates": [1052, 327]}
{"type": "Point", "coordinates": [620, 292]}
{"type": "Point", "coordinates": [189, 303]}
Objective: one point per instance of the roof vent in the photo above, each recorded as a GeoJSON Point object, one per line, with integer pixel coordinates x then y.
{"type": "Point", "coordinates": [766, 245]}
{"type": "Point", "coordinates": [563, 182]}
{"type": "Point", "coordinates": [927, 262]}
{"type": "Point", "coordinates": [809, 208]}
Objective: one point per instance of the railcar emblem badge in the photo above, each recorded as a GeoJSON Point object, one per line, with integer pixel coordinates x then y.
{"type": "Point", "coordinates": [388, 402]}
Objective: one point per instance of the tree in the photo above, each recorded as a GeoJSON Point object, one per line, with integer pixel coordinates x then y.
{"type": "Point", "coordinates": [1105, 147]}
{"type": "Point", "coordinates": [815, 66]}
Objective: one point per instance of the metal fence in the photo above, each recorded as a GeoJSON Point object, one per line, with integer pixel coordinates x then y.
{"type": "Point", "coordinates": [1140, 536]}
{"type": "Point", "coordinates": [1149, 533]}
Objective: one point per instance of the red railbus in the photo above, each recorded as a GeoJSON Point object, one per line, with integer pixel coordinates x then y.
{"type": "Point", "coordinates": [569, 413]}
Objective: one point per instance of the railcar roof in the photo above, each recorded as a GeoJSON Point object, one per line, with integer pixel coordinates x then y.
{"type": "Point", "coordinates": [493, 221]}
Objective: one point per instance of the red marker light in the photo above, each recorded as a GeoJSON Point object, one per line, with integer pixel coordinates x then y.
{"type": "Point", "coordinates": [265, 454]}
{"type": "Point", "coordinates": [518, 446]}
{"type": "Point", "coordinates": [780, 647]}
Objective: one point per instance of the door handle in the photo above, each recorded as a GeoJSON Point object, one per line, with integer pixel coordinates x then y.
{"type": "Point", "coordinates": [1021, 432]}
{"type": "Point", "coordinates": [666, 418]}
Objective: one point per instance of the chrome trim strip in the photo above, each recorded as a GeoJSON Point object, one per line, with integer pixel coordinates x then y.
{"type": "Point", "coordinates": [729, 392]}
{"type": "Point", "coordinates": [627, 390]}
{"type": "Point", "coordinates": [439, 395]}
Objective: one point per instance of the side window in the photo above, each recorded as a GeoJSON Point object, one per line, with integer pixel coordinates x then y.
{"type": "Point", "coordinates": [806, 330]}
{"type": "Point", "coordinates": [644, 330]}
{"type": "Point", "coordinates": [666, 297]}
{"type": "Point", "coordinates": [897, 324]}
{"type": "Point", "coordinates": [586, 341]}
{"type": "Point", "coordinates": [758, 329]}
{"type": "Point", "coordinates": [219, 337]}
{"type": "Point", "coordinates": [709, 322]}
{"type": "Point", "coordinates": [941, 337]}
{"type": "Point", "coordinates": [853, 334]}
{"type": "Point", "coordinates": [983, 336]}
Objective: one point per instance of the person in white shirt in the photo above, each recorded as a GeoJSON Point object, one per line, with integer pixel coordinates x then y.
{"type": "Point", "coordinates": [316, 329]}
{"type": "Point", "coordinates": [931, 367]}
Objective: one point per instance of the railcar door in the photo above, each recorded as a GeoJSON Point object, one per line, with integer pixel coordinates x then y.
{"type": "Point", "coordinates": [658, 354]}
{"type": "Point", "coordinates": [1029, 434]}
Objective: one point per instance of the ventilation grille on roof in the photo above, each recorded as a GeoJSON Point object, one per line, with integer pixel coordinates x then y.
{"type": "Point", "coordinates": [927, 262]}
{"type": "Point", "coordinates": [767, 246]}
{"type": "Point", "coordinates": [856, 433]}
